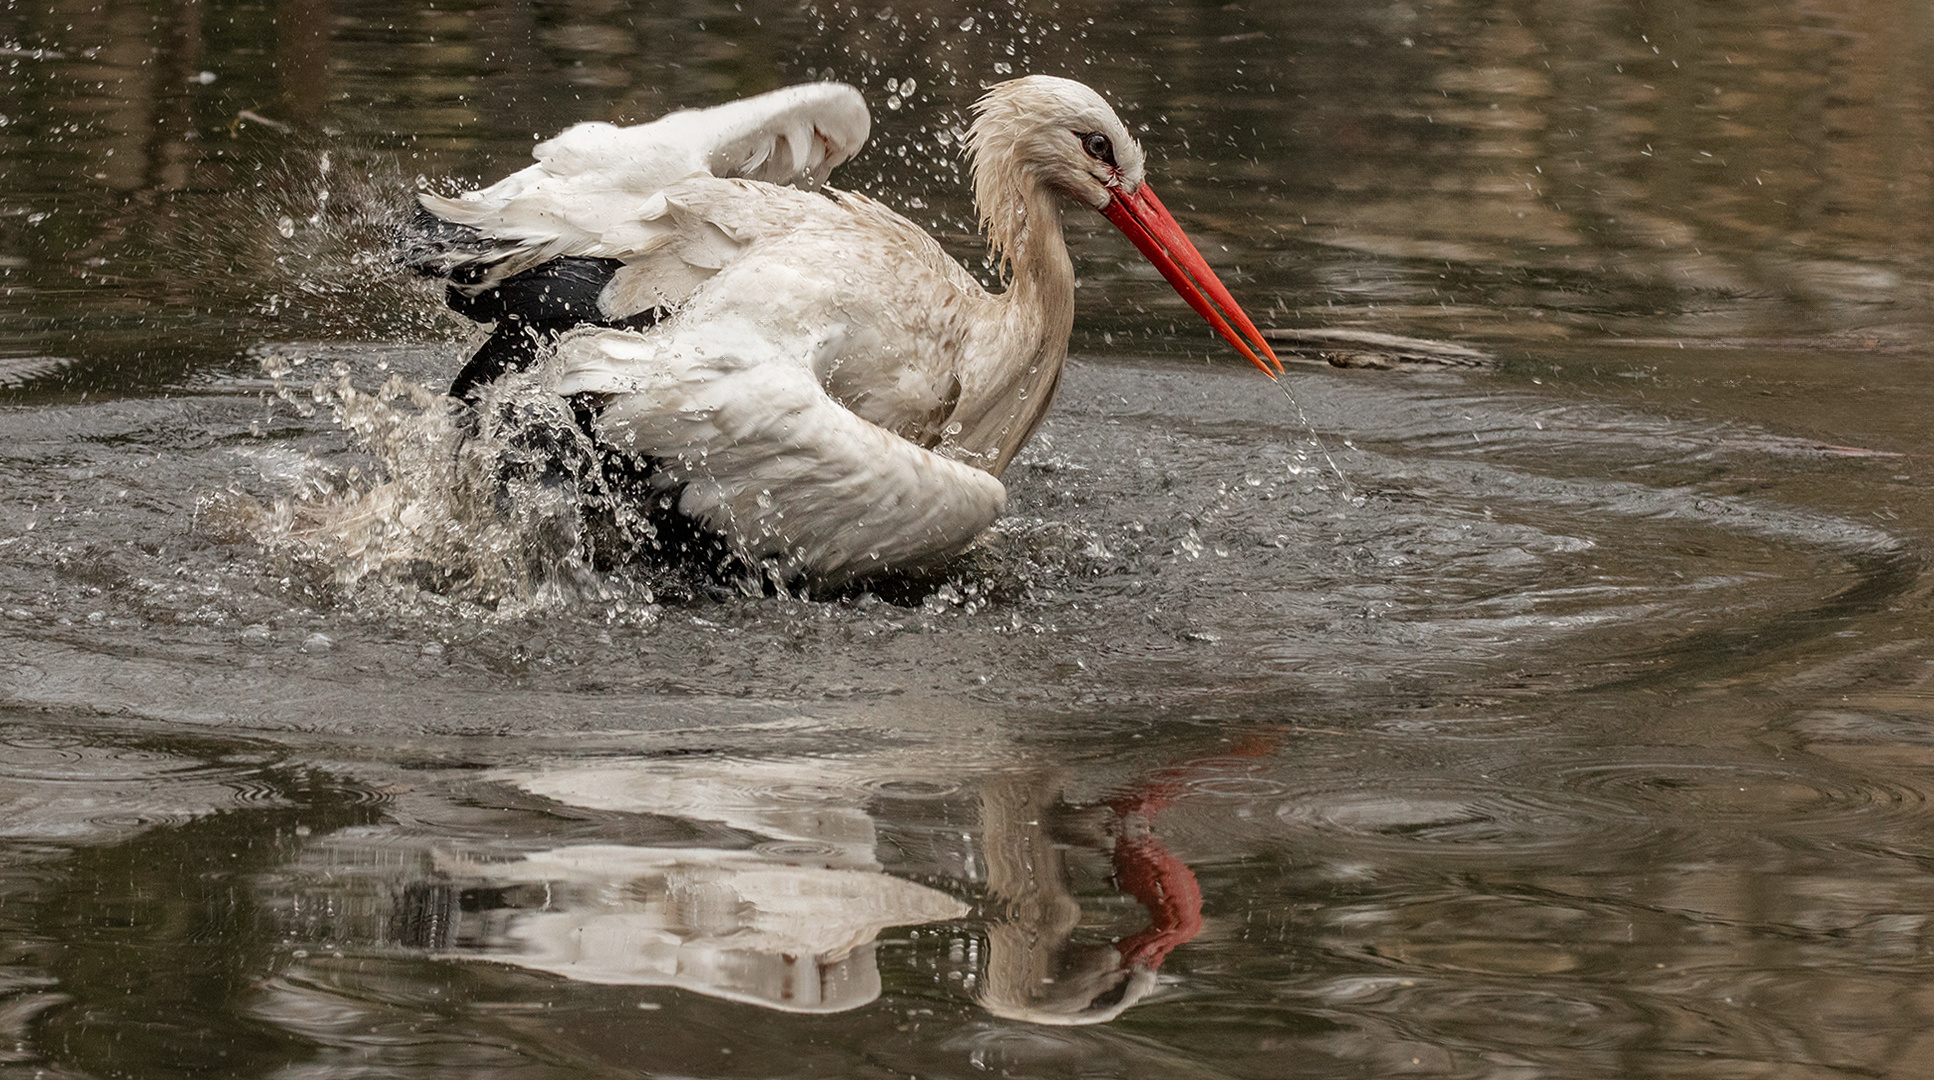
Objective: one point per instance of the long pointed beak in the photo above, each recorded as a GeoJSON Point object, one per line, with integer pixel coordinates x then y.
{"type": "Point", "coordinates": [1148, 225]}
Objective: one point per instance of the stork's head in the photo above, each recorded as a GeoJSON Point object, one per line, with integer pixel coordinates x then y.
{"type": "Point", "coordinates": [1061, 134]}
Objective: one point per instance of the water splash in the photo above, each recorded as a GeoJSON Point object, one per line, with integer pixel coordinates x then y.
{"type": "Point", "coordinates": [303, 251]}
{"type": "Point", "coordinates": [448, 504]}
{"type": "Point", "coordinates": [1302, 418]}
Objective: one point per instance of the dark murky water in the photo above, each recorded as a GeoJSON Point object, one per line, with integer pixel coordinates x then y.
{"type": "Point", "coordinates": [1592, 737]}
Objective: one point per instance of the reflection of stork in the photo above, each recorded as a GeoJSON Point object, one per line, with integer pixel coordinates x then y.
{"type": "Point", "coordinates": [811, 379]}
{"type": "Point", "coordinates": [1036, 970]}
{"type": "Point", "coordinates": [790, 923]}
{"type": "Point", "coordinates": [763, 929]}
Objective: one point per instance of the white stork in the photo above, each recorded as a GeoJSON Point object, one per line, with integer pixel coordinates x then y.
{"type": "Point", "coordinates": [809, 376]}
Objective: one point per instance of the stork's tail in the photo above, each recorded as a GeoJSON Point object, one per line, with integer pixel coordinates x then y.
{"type": "Point", "coordinates": [563, 290]}
{"type": "Point", "coordinates": [433, 247]}
{"type": "Point", "coordinates": [530, 309]}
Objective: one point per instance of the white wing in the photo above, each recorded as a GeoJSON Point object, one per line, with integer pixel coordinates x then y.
{"type": "Point", "coordinates": [889, 319]}
{"type": "Point", "coordinates": [597, 177]}
{"type": "Point", "coordinates": [732, 411]}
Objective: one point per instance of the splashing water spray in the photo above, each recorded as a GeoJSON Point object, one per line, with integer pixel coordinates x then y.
{"type": "Point", "coordinates": [1349, 494]}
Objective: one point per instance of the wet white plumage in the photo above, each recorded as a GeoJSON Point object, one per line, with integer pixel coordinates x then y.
{"type": "Point", "coordinates": [595, 178]}
{"type": "Point", "coordinates": [831, 392]}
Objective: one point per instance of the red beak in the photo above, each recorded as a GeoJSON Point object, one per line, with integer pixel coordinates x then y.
{"type": "Point", "coordinates": [1146, 222]}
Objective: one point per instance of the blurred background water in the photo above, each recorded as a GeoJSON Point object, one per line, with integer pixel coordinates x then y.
{"type": "Point", "coordinates": [1582, 729]}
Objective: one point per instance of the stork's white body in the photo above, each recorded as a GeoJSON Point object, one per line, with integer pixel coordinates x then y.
{"type": "Point", "coordinates": [831, 392]}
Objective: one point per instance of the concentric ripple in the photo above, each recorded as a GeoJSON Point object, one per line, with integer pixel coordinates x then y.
{"type": "Point", "coordinates": [63, 786]}
{"type": "Point", "coordinates": [1731, 793]}
{"type": "Point", "coordinates": [1477, 819]}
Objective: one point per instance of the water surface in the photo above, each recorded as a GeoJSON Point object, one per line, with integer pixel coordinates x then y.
{"type": "Point", "coordinates": [1581, 728]}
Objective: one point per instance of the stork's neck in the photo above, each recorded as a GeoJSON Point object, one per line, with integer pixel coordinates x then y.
{"type": "Point", "coordinates": [1027, 234]}
{"type": "Point", "coordinates": [1022, 365]}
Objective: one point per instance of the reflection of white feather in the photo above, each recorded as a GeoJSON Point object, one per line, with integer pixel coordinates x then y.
{"type": "Point", "coordinates": [807, 804]}
{"type": "Point", "coordinates": [738, 925]}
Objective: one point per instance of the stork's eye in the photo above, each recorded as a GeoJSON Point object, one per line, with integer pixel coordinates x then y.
{"type": "Point", "coordinates": [1098, 147]}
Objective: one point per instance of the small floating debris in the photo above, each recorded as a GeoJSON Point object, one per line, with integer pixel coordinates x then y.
{"type": "Point", "coordinates": [17, 371]}
{"type": "Point", "coordinates": [251, 116]}
{"type": "Point", "coordinates": [1369, 349]}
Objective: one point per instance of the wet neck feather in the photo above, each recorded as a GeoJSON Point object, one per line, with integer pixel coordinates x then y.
{"type": "Point", "coordinates": [1034, 256]}
{"type": "Point", "coordinates": [1036, 314]}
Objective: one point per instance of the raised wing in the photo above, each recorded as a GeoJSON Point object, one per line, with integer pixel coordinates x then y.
{"type": "Point", "coordinates": [734, 415]}
{"type": "Point", "coordinates": [597, 177]}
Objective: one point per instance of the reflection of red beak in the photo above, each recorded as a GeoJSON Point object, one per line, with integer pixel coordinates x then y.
{"type": "Point", "coordinates": [1146, 222]}
{"type": "Point", "coordinates": [1167, 888]}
